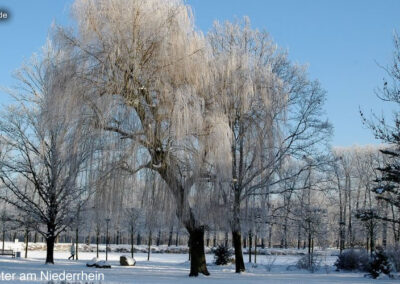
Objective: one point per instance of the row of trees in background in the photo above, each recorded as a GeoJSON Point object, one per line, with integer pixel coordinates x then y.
{"type": "Point", "coordinates": [332, 208]}
{"type": "Point", "coordinates": [138, 117]}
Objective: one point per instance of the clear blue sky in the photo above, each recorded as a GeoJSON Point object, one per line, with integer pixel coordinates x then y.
{"type": "Point", "coordinates": [340, 40]}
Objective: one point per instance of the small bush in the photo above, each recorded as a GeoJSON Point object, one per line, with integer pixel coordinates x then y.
{"type": "Point", "coordinates": [222, 255]}
{"type": "Point", "coordinates": [352, 259]}
{"type": "Point", "coordinates": [309, 262]}
{"type": "Point", "coordinates": [379, 264]}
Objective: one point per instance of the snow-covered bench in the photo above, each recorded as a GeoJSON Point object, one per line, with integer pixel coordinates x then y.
{"type": "Point", "coordinates": [7, 252]}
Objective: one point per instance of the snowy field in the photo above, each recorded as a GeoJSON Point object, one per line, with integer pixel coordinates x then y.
{"type": "Point", "coordinates": [174, 268]}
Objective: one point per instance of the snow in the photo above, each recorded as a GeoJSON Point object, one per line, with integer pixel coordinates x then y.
{"type": "Point", "coordinates": [92, 262]}
{"type": "Point", "coordinates": [174, 268]}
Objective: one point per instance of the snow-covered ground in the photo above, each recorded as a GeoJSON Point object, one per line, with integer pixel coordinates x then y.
{"type": "Point", "coordinates": [174, 268]}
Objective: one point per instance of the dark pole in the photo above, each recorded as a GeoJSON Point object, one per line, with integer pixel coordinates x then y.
{"type": "Point", "coordinates": [107, 221]}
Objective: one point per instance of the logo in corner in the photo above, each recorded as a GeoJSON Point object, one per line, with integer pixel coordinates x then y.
{"type": "Point", "coordinates": [4, 14]}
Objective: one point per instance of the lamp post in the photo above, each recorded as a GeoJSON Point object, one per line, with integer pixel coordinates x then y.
{"type": "Point", "coordinates": [107, 221]}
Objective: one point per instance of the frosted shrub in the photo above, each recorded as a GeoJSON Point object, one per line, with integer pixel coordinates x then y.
{"type": "Point", "coordinates": [353, 259]}
{"type": "Point", "coordinates": [309, 262]}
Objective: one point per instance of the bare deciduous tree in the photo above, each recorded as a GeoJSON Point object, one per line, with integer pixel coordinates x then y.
{"type": "Point", "coordinates": [44, 146]}
{"type": "Point", "coordinates": [274, 112]}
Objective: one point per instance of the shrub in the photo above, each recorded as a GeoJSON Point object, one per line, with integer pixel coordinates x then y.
{"type": "Point", "coordinates": [309, 262]}
{"type": "Point", "coordinates": [222, 255]}
{"type": "Point", "coordinates": [379, 264]}
{"type": "Point", "coordinates": [353, 259]}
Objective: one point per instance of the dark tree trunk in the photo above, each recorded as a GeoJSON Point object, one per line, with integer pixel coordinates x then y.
{"type": "Point", "coordinates": [299, 237]}
{"type": "Point", "coordinates": [250, 245]}
{"type": "Point", "coordinates": [132, 241]}
{"type": "Point", "coordinates": [149, 246]}
{"type": "Point", "coordinates": [76, 242]}
{"type": "Point", "coordinates": [236, 234]}
{"type": "Point", "coordinates": [26, 242]}
{"type": "Point", "coordinates": [215, 239]}
{"type": "Point", "coordinates": [186, 216]}
{"type": "Point", "coordinates": [255, 248]}
{"type": "Point", "coordinates": [159, 238]}
{"type": "Point", "coordinates": [198, 257]}
{"type": "Point", "coordinates": [237, 243]}
{"type": "Point", "coordinates": [50, 249]}
{"type": "Point", "coordinates": [97, 243]}
{"type": "Point", "coordinates": [171, 232]}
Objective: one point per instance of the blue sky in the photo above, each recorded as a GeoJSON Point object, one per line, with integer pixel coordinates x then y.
{"type": "Point", "coordinates": [341, 42]}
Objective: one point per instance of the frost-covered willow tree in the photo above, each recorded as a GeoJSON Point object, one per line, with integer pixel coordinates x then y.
{"type": "Point", "coordinates": [274, 112]}
{"type": "Point", "coordinates": [44, 144]}
{"type": "Point", "coordinates": [147, 56]}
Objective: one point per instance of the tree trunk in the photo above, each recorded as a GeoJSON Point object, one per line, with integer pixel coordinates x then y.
{"type": "Point", "coordinates": [384, 234]}
{"type": "Point", "coordinates": [26, 242]}
{"type": "Point", "coordinates": [237, 243]}
{"type": "Point", "coordinates": [132, 241]}
{"type": "Point", "coordinates": [159, 238]}
{"type": "Point", "coordinates": [50, 249]}
{"type": "Point", "coordinates": [284, 243]}
{"type": "Point", "coordinates": [270, 236]}
{"type": "Point", "coordinates": [171, 232]}
{"type": "Point", "coordinates": [149, 246]}
{"type": "Point", "coordinates": [76, 242]}
{"type": "Point", "coordinates": [372, 238]}
{"type": "Point", "coordinates": [198, 257]}
{"type": "Point", "coordinates": [236, 234]}
{"type": "Point", "coordinates": [4, 237]}
{"type": "Point", "coordinates": [185, 215]}
{"type": "Point", "coordinates": [97, 243]}
{"type": "Point", "coordinates": [255, 248]}
{"type": "Point", "coordinates": [250, 245]}
{"type": "Point", "coordinates": [215, 239]}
